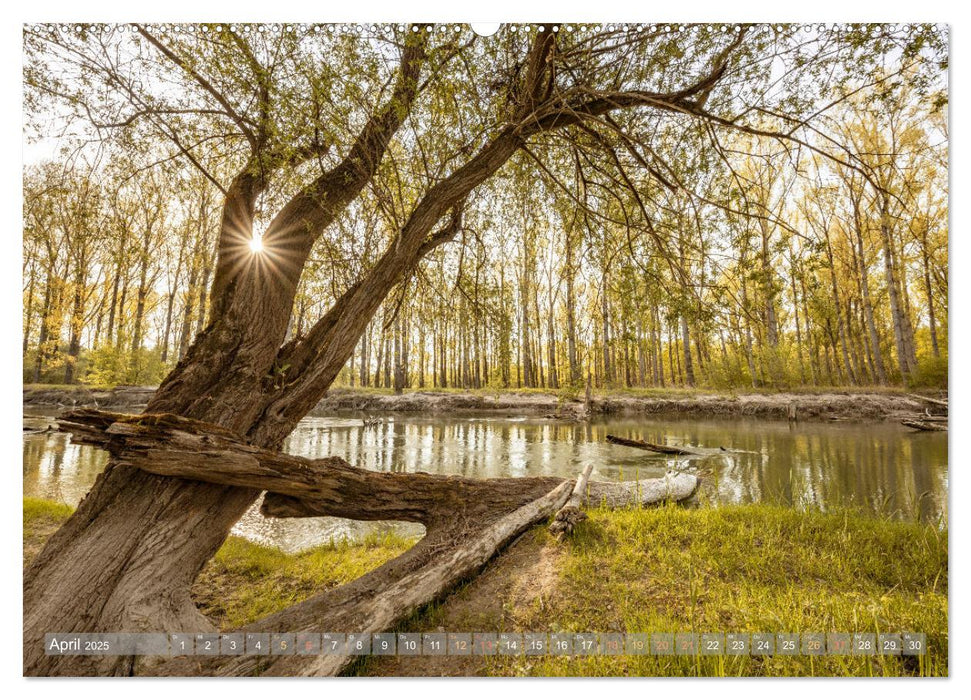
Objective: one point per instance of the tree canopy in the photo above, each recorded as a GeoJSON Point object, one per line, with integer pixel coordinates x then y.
{"type": "Point", "coordinates": [711, 204]}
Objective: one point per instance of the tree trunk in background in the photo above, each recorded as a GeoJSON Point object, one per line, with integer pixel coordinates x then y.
{"type": "Point", "coordinates": [838, 304]}
{"type": "Point", "coordinates": [50, 301]}
{"type": "Point", "coordinates": [605, 315]}
{"type": "Point", "coordinates": [170, 302]}
{"type": "Point", "coordinates": [203, 309]}
{"type": "Point", "coordinates": [140, 298]}
{"type": "Point", "coordinates": [76, 322]}
{"type": "Point", "coordinates": [795, 307]}
{"type": "Point", "coordinates": [768, 282]}
{"type": "Point", "coordinates": [689, 371]}
{"type": "Point", "coordinates": [871, 325]}
{"type": "Point", "coordinates": [121, 321]}
{"type": "Point", "coordinates": [929, 291]}
{"type": "Point", "coordinates": [905, 360]}
{"type": "Point", "coordinates": [553, 375]}
{"type": "Point", "coordinates": [386, 351]}
{"type": "Point", "coordinates": [120, 259]}
{"type": "Point", "coordinates": [641, 356]}
{"type": "Point", "coordinates": [658, 347]}
{"type": "Point", "coordinates": [749, 357]}
{"type": "Point", "coordinates": [422, 359]}
{"type": "Point", "coordinates": [380, 362]}
{"type": "Point", "coordinates": [571, 324]}
{"type": "Point", "coordinates": [29, 312]}
{"type": "Point", "coordinates": [399, 360]}
{"type": "Point", "coordinates": [365, 374]}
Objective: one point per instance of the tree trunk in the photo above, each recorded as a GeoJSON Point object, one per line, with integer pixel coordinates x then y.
{"type": "Point", "coordinates": [837, 304]}
{"type": "Point", "coordinates": [905, 359]}
{"type": "Point", "coordinates": [76, 323]}
{"type": "Point", "coordinates": [467, 520]}
{"type": "Point", "coordinates": [29, 311]}
{"type": "Point", "coordinates": [929, 291]}
{"type": "Point", "coordinates": [689, 371]}
{"type": "Point", "coordinates": [45, 326]}
{"type": "Point", "coordinates": [871, 326]}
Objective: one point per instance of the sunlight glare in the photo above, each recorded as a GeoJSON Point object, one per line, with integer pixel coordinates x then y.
{"type": "Point", "coordinates": [256, 243]}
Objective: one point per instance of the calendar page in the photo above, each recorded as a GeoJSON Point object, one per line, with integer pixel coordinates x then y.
{"type": "Point", "coordinates": [436, 348]}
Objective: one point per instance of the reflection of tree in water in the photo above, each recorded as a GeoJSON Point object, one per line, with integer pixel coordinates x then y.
{"type": "Point", "coordinates": [56, 470]}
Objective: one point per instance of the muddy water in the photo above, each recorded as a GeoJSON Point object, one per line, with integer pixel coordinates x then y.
{"type": "Point", "coordinates": [880, 467]}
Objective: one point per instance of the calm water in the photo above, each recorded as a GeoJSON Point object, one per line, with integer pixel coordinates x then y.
{"type": "Point", "coordinates": [882, 468]}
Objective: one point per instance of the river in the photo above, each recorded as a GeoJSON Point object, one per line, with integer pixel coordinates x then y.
{"type": "Point", "coordinates": [881, 468]}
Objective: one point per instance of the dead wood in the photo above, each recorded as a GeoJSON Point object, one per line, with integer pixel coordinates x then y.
{"type": "Point", "coordinates": [927, 425]}
{"type": "Point", "coordinates": [652, 447]}
{"type": "Point", "coordinates": [467, 522]}
{"type": "Point", "coordinates": [928, 399]}
{"type": "Point", "coordinates": [570, 514]}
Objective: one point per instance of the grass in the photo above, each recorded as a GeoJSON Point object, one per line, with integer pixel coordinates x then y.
{"type": "Point", "coordinates": [246, 581]}
{"type": "Point", "coordinates": [41, 519]}
{"type": "Point", "coordinates": [752, 568]}
{"type": "Point", "coordinates": [38, 513]}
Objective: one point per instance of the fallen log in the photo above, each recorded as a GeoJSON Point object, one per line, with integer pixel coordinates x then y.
{"type": "Point", "coordinates": [927, 425]}
{"type": "Point", "coordinates": [378, 600]}
{"type": "Point", "coordinates": [467, 522]}
{"type": "Point", "coordinates": [928, 399]}
{"type": "Point", "coordinates": [660, 449]}
{"type": "Point", "coordinates": [673, 486]}
{"type": "Point", "coordinates": [300, 487]}
{"type": "Point", "coordinates": [571, 514]}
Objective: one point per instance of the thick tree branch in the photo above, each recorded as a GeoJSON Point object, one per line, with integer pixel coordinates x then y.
{"type": "Point", "coordinates": [168, 445]}
{"type": "Point", "coordinates": [314, 361]}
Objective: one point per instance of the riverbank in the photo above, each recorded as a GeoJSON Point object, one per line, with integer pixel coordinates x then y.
{"type": "Point", "coordinates": [834, 404]}
{"type": "Point", "coordinates": [743, 569]}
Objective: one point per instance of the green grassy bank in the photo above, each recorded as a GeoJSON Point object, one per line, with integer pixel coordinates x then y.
{"type": "Point", "coordinates": [748, 568]}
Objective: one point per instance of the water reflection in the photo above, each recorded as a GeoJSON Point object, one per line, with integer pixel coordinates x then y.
{"type": "Point", "coordinates": [882, 468]}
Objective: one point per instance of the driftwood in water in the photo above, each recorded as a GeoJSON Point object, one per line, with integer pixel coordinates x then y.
{"type": "Point", "coordinates": [925, 424]}
{"type": "Point", "coordinates": [651, 447]}
{"type": "Point", "coordinates": [571, 513]}
{"type": "Point", "coordinates": [928, 399]}
{"type": "Point", "coordinates": [467, 522]}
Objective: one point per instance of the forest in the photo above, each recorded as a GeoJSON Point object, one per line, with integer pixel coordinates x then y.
{"type": "Point", "coordinates": [242, 217]}
{"type": "Point", "coordinates": [742, 261]}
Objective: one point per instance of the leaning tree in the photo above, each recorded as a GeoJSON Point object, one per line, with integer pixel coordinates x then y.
{"type": "Point", "coordinates": [292, 124]}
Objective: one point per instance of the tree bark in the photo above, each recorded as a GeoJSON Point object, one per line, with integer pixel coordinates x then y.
{"type": "Point", "coordinates": [126, 558]}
